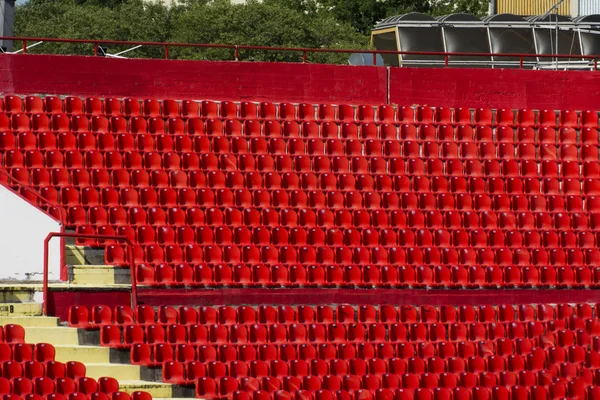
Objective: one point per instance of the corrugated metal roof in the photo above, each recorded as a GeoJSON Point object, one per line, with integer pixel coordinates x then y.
{"type": "Point", "coordinates": [588, 7]}
{"type": "Point", "coordinates": [532, 7]}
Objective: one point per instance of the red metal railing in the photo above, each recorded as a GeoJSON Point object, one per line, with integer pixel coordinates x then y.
{"type": "Point", "coordinates": [63, 235]}
{"type": "Point", "coordinates": [305, 51]}
{"type": "Point", "coordinates": [42, 200]}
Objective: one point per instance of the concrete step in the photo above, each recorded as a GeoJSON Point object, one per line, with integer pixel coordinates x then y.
{"type": "Point", "coordinates": [20, 309]}
{"type": "Point", "coordinates": [157, 389]}
{"type": "Point", "coordinates": [26, 321]}
{"type": "Point", "coordinates": [84, 354]}
{"type": "Point", "coordinates": [59, 335]}
{"type": "Point", "coordinates": [99, 275]}
{"type": "Point", "coordinates": [83, 255]}
{"type": "Point", "coordinates": [118, 371]}
{"type": "Point", "coordinates": [12, 292]}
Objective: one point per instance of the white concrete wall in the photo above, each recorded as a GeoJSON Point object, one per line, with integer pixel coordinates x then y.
{"type": "Point", "coordinates": [23, 228]}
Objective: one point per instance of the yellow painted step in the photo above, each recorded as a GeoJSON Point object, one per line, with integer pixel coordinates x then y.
{"type": "Point", "coordinates": [20, 309]}
{"type": "Point", "coordinates": [99, 275]}
{"type": "Point", "coordinates": [84, 354]}
{"type": "Point", "coordinates": [18, 293]}
{"type": "Point", "coordinates": [81, 255]}
{"type": "Point", "coordinates": [26, 321]}
{"type": "Point", "coordinates": [118, 371]}
{"type": "Point", "coordinates": [60, 335]}
{"type": "Point", "coordinates": [156, 389]}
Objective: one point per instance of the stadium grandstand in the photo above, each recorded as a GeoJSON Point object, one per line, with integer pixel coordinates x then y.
{"type": "Point", "coordinates": [422, 226]}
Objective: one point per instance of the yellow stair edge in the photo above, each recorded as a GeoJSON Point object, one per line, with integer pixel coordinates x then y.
{"type": "Point", "coordinates": [30, 322]}
{"type": "Point", "coordinates": [56, 335]}
{"type": "Point", "coordinates": [91, 354]}
{"type": "Point", "coordinates": [99, 275]}
{"type": "Point", "coordinates": [20, 309]}
{"type": "Point", "coordinates": [156, 389]}
{"type": "Point", "coordinates": [126, 372]}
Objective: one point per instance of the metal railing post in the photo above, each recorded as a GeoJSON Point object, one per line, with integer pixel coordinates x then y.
{"type": "Point", "coordinates": [166, 52]}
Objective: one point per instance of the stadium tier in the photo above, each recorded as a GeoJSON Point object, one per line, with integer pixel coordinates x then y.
{"type": "Point", "coordinates": [228, 194]}
{"type": "Point", "coordinates": [303, 200]}
{"type": "Point", "coordinates": [504, 352]}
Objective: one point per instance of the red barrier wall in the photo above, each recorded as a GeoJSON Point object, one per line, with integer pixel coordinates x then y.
{"type": "Point", "coordinates": [240, 296]}
{"type": "Point", "coordinates": [496, 88]}
{"type": "Point", "coordinates": [98, 76]}
{"type": "Point", "coordinates": [315, 83]}
{"type": "Point", "coordinates": [59, 301]}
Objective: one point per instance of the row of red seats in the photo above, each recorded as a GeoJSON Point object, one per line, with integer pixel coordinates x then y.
{"type": "Point", "coordinates": [349, 139]}
{"type": "Point", "coordinates": [411, 380]}
{"type": "Point", "coordinates": [396, 219]}
{"type": "Point", "coordinates": [497, 393]}
{"type": "Point", "coordinates": [48, 369]}
{"type": "Point", "coordinates": [370, 276]}
{"type": "Point", "coordinates": [513, 182]}
{"type": "Point", "coordinates": [452, 357]}
{"type": "Point", "coordinates": [236, 131]}
{"type": "Point", "coordinates": [253, 389]}
{"type": "Point", "coordinates": [81, 396]}
{"type": "Point", "coordinates": [100, 315]}
{"type": "Point", "coordinates": [48, 389]}
{"type": "Point", "coordinates": [323, 229]}
{"type": "Point", "coordinates": [226, 109]}
{"type": "Point", "coordinates": [336, 260]}
{"type": "Point", "coordinates": [523, 247]}
{"type": "Point", "coordinates": [332, 148]}
{"type": "Point", "coordinates": [332, 200]}
{"type": "Point", "coordinates": [503, 213]}
{"type": "Point", "coordinates": [247, 174]}
{"type": "Point", "coordinates": [437, 332]}
{"type": "Point", "coordinates": [21, 352]}
{"type": "Point", "coordinates": [478, 193]}
{"type": "Point", "coordinates": [288, 179]}
{"type": "Point", "coordinates": [279, 235]}
{"type": "Point", "coordinates": [381, 187]}
{"type": "Point", "coordinates": [174, 371]}
{"type": "Point", "coordinates": [363, 174]}
{"type": "Point", "coordinates": [386, 237]}
{"type": "Point", "coordinates": [44, 386]}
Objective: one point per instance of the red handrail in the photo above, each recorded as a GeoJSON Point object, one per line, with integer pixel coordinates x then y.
{"type": "Point", "coordinates": [304, 50]}
{"type": "Point", "coordinates": [62, 219]}
{"type": "Point", "coordinates": [88, 236]}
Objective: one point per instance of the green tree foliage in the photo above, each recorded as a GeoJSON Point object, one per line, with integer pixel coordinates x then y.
{"type": "Point", "coordinates": [327, 24]}
{"type": "Point", "coordinates": [260, 24]}
{"type": "Point", "coordinates": [364, 14]}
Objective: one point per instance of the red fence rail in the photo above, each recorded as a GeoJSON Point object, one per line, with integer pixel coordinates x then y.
{"type": "Point", "coordinates": [88, 236]}
{"type": "Point", "coordinates": [305, 51]}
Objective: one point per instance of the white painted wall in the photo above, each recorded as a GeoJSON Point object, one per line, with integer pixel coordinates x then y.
{"type": "Point", "coordinates": [23, 229]}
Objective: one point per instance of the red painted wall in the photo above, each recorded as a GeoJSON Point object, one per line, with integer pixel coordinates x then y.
{"type": "Point", "coordinates": [496, 88]}
{"type": "Point", "coordinates": [224, 80]}
{"type": "Point", "coordinates": [241, 296]}
{"type": "Point", "coordinates": [99, 76]}
{"type": "Point", "coordinates": [59, 301]}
